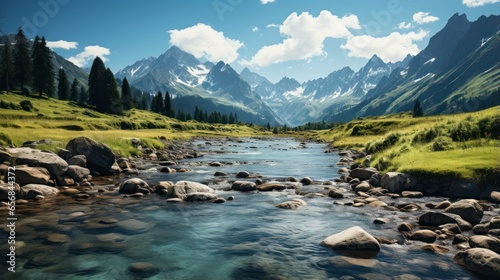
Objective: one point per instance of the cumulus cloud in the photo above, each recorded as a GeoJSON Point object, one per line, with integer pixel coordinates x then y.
{"type": "Point", "coordinates": [305, 37]}
{"type": "Point", "coordinates": [424, 17]}
{"type": "Point", "coordinates": [478, 3]}
{"type": "Point", "coordinates": [404, 25]}
{"type": "Point", "coordinates": [202, 40]}
{"type": "Point", "coordinates": [266, 1]}
{"type": "Point", "coordinates": [61, 44]}
{"type": "Point", "coordinates": [88, 54]}
{"type": "Point", "coordinates": [392, 48]}
{"type": "Point", "coordinates": [255, 29]}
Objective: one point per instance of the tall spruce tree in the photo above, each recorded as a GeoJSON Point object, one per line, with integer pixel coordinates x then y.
{"type": "Point", "coordinates": [127, 99]}
{"type": "Point", "coordinates": [63, 86]}
{"type": "Point", "coordinates": [157, 103]}
{"type": "Point", "coordinates": [417, 110]}
{"type": "Point", "coordinates": [83, 97]}
{"type": "Point", "coordinates": [43, 71]}
{"type": "Point", "coordinates": [22, 61]}
{"type": "Point", "coordinates": [144, 102]}
{"type": "Point", "coordinates": [112, 101]}
{"type": "Point", "coordinates": [96, 84]}
{"type": "Point", "coordinates": [6, 67]}
{"type": "Point", "coordinates": [73, 93]}
{"type": "Point", "coordinates": [169, 109]}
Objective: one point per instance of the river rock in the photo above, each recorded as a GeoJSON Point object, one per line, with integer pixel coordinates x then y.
{"type": "Point", "coordinates": [480, 229]}
{"type": "Point", "coordinates": [133, 226]}
{"type": "Point", "coordinates": [242, 174]}
{"type": "Point", "coordinates": [425, 235]}
{"type": "Point", "coordinates": [405, 227]}
{"type": "Point", "coordinates": [410, 194]}
{"type": "Point", "coordinates": [435, 248]}
{"type": "Point", "coordinates": [220, 174]}
{"type": "Point", "coordinates": [31, 175]}
{"type": "Point", "coordinates": [395, 182]}
{"type": "Point", "coordinates": [57, 238]}
{"type": "Point", "coordinates": [495, 197]}
{"type": "Point", "coordinates": [353, 239]}
{"type": "Point", "coordinates": [437, 218]}
{"type": "Point", "coordinates": [292, 204]}
{"type": "Point", "coordinates": [381, 221]}
{"type": "Point", "coordinates": [80, 160]}
{"type": "Point", "coordinates": [494, 223]}
{"type": "Point", "coordinates": [454, 228]}
{"type": "Point", "coordinates": [335, 194]}
{"type": "Point", "coordinates": [442, 205]}
{"type": "Point", "coordinates": [200, 196]}
{"type": "Point", "coordinates": [99, 156]}
{"type": "Point", "coordinates": [5, 156]}
{"type": "Point", "coordinates": [134, 185]}
{"type": "Point", "coordinates": [36, 158]}
{"type": "Point", "coordinates": [409, 207]}
{"type": "Point", "coordinates": [307, 181]}
{"type": "Point", "coordinates": [182, 188]}
{"type": "Point", "coordinates": [481, 261]}
{"type": "Point", "coordinates": [362, 187]}
{"type": "Point", "coordinates": [244, 186]}
{"type": "Point", "coordinates": [78, 173]}
{"type": "Point", "coordinates": [5, 189]}
{"type": "Point", "coordinates": [483, 241]}
{"type": "Point", "coordinates": [363, 173]}
{"type": "Point", "coordinates": [469, 209]}
{"type": "Point", "coordinates": [30, 191]}
{"type": "Point", "coordinates": [460, 238]}
{"type": "Point", "coordinates": [271, 186]}
{"type": "Point", "coordinates": [216, 164]}
{"type": "Point", "coordinates": [143, 269]}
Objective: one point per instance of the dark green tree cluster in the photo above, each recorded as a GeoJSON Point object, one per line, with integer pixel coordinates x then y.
{"type": "Point", "coordinates": [103, 89]}
{"type": "Point", "coordinates": [63, 85]}
{"type": "Point", "coordinates": [163, 105]}
{"type": "Point", "coordinates": [417, 110]}
{"type": "Point", "coordinates": [43, 71]}
{"type": "Point", "coordinates": [214, 117]}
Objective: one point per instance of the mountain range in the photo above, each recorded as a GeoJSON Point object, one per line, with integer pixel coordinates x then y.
{"type": "Point", "coordinates": [458, 71]}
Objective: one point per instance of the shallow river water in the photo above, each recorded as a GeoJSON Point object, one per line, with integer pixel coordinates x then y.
{"type": "Point", "coordinates": [247, 238]}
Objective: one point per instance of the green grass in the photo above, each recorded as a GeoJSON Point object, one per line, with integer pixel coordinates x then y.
{"type": "Point", "coordinates": [62, 121]}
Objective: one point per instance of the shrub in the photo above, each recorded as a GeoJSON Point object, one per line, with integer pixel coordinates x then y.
{"type": "Point", "coordinates": [378, 146]}
{"type": "Point", "coordinates": [427, 136]}
{"type": "Point", "coordinates": [5, 139]}
{"type": "Point", "coordinates": [442, 143]}
{"type": "Point", "coordinates": [465, 131]}
{"type": "Point", "coordinates": [26, 105]}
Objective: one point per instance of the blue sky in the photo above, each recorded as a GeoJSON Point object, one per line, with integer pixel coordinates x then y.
{"type": "Point", "coordinates": [294, 38]}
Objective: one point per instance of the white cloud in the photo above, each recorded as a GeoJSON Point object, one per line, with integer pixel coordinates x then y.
{"type": "Point", "coordinates": [478, 3]}
{"type": "Point", "coordinates": [305, 37]}
{"type": "Point", "coordinates": [424, 17]}
{"type": "Point", "coordinates": [271, 25]}
{"type": "Point", "coordinates": [88, 54]}
{"type": "Point", "coordinates": [391, 48]}
{"type": "Point", "coordinates": [202, 40]}
{"type": "Point", "coordinates": [266, 1]}
{"type": "Point", "coordinates": [255, 29]}
{"type": "Point", "coordinates": [61, 44]}
{"type": "Point", "coordinates": [404, 25]}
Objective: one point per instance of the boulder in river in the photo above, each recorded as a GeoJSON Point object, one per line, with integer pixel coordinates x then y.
{"type": "Point", "coordinates": [437, 218]}
{"type": "Point", "coordinates": [80, 160]}
{"type": "Point", "coordinates": [271, 186]}
{"type": "Point", "coordinates": [31, 175]}
{"type": "Point", "coordinates": [99, 156]}
{"type": "Point", "coordinates": [363, 173]}
{"type": "Point", "coordinates": [396, 182]}
{"type": "Point", "coordinates": [483, 241]}
{"type": "Point", "coordinates": [78, 173]}
{"type": "Point", "coordinates": [30, 191]}
{"type": "Point", "coordinates": [469, 209]}
{"type": "Point", "coordinates": [244, 186]}
{"type": "Point", "coordinates": [292, 204]}
{"type": "Point", "coordinates": [495, 197]}
{"type": "Point", "coordinates": [134, 185]}
{"type": "Point", "coordinates": [481, 261]}
{"type": "Point", "coordinates": [200, 196]}
{"type": "Point", "coordinates": [242, 174]}
{"type": "Point", "coordinates": [36, 158]}
{"type": "Point", "coordinates": [425, 235]}
{"type": "Point", "coordinates": [352, 239]}
{"type": "Point", "coordinates": [182, 188]}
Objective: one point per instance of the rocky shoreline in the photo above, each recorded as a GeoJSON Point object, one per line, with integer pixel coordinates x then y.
{"type": "Point", "coordinates": [86, 169]}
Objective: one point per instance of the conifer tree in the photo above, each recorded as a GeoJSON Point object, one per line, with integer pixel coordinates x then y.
{"type": "Point", "coordinates": [43, 71]}
{"type": "Point", "coordinates": [144, 102]}
{"type": "Point", "coordinates": [112, 102]}
{"type": "Point", "coordinates": [83, 98]}
{"type": "Point", "coordinates": [96, 84]}
{"type": "Point", "coordinates": [169, 109]}
{"type": "Point", "coordinates": [126, 95]}
{"type": "Point", "coordinates": [73, 93]}
{"type": "Point", "coordinates": [22, 61]}
{"type": "Point", "coordinates": [417, 110]}
{"type": "Point", "coordinates": [63, 86]}
{"type": "Point", "coordinates": [6, 67]}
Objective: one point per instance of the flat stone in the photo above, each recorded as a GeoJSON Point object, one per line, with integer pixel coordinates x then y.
{"type": "Point", "coordinates": [133, 226]}
{"type": "Point", "coordinates": [272, 186]}
{"type": "Point", "coordinates": [200, 196]}
{"type": "Point", "coordinates": [424, 235]}
{"type": "Point", "coordinates": [58, 238]}
{"type": "Point", "coordinates": [412, 194]}
{"type": "Point", "coordinates": [435, 248]}
{"type": "Point", "coordinates": [244, 186]}
{"type": "Point", "coordinates": [292, 204]}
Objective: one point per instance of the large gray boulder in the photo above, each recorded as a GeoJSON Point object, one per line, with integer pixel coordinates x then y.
{"type": "Point", "coordinates": [36, 158]}
{"type": "Point", "coordinates": [200, 196]}
{"type": "Point", "coordinates": [396, 182]}
{"type": "Point", "coordinates": [32, 190]}
{"type": "Point", "coordinates": [481, 261]}
{"type": "Point", "coordinates": [432, 218]}
{"type": "Point", "coordinates": [99, 156]}
{"type": "Point", "coordinates": [182, 188]}
{"type": "Point", "coordinates": [31, 175]}
{"type": "Point", "coordinates": [6, 191]}
{"type": "Point", "coordinates": [244, 186]}
{"type": "Point", "coordinates": [352, 239]}
{"type": "Point", "coordinates": [78, 173]}
{"type": "Point", "coordinates": [363, 173]}
{"type": "Point", "coordinates": [469, 209]}
{"type": "Point", "coordinates": [487, 242]}
{"type": "Point", "coordinates": [134, 185]}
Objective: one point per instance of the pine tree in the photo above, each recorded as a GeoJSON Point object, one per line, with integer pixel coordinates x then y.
{"type": "Point", "coordinates": [144, 102]}
{"type": "Point", "coordinates": [22, 61]}
{"type": "Point", "coordinates": [96, 84]}
{"type": "Point", "coordinates": [73, 93]}
{"type": "Point", "coordinates": [63, 86]}
{"type": "Point", "coordinates": [417, 110]}
{"type": "Point", "coordinates": [43, 71]}
{"type": "Point", "coordinates": [126, 95]}
{"type": "Point", "coordinates": [83, 98]}
{"type": "Point", "coordinates": [112, 101]}
{"type": "Point", "coordinates": [6, 67]}
{"type": "Point", "coordinates": [168, 109]}
{"type": "Point", "coordinates": [157, 103]}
